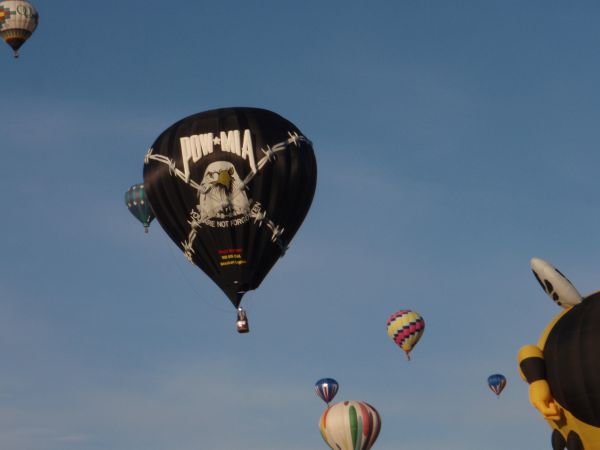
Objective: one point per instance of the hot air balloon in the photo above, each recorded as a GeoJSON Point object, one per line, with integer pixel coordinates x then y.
{"type": "Point", "coordinates": [231, 188]}
{"type": "Point", "coordinates": [350, 425]}
{"type": "Point", "coordinates": [326, 388]}
{"type": "Point", "coordinates": [18, 20]}
{"type": "Point", "coordinates": [135, 199]}
{"type": "Point", "coordinates": [405, 328]}
{"type": "Point", "coordinates": [496, 382]}
{"type": "Point", "coordinates": [563, 369]}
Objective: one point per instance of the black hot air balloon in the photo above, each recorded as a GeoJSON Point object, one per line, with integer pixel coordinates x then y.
{"type": "Point", "coordinates": [231, 187]}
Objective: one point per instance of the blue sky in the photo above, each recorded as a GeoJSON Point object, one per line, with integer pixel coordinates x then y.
{"type": "Point", "coordinates": [454, 142]}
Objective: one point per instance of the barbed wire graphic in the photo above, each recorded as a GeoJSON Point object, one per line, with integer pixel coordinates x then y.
{"type": "Point", "coordinates": [256, 212]}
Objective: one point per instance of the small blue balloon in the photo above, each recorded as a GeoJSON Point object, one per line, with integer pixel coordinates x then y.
{"type": "Point", "coordinates": [326, 388]}
{"type": "Point", "coordinates": [496, 382]}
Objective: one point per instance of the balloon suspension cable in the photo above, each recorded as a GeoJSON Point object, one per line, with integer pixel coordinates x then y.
{"type": "Point", "coordinates": [407, 356]}
{"type": "Point", "coordinates": [193, 286]}
{"type": "Point", "coordinates": [145, 228]}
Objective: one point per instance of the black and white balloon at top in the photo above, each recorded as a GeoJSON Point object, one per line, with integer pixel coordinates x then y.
{"type": "Point", "coordinates": [231, 187]}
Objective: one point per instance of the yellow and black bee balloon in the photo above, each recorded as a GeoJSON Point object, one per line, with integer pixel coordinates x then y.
{"type": "Point", "coordinates": [563, 369]}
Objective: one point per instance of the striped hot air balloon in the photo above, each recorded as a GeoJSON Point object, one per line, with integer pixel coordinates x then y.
{"type": "Point", "coordinates": [350, 425]}
{"type": "Point", "coordinates": [135, 199]}
{"type": "Point", "coordinates": [496, 382]}
{"type": "Point", "coordinates": [405, 328]}
{"type": "Point", "coordinates": [326, 388]}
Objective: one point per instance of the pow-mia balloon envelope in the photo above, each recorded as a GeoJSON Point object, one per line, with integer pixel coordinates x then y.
{"type": "Point", "coordinates": [231, 187]}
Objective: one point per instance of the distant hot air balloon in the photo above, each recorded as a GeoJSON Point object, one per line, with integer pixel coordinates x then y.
{"type": "Point", "coordinates": [496, 382]}
{"type": "Point", "coordinates": [231, 188]}
{"type": "Point", "coordinates": [405, 328]}
{"type": "Point", "coordinates": [135, 199]}
{"type": "Point", "coordinates": [18, 20]}
{"type": "Point", "coordinates": [326, 388]}
{"type": "Point", "coordinates": [350, 425]}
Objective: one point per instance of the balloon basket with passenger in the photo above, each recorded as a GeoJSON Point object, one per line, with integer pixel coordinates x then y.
{"type": "Point", "coordinates": [242, 321]}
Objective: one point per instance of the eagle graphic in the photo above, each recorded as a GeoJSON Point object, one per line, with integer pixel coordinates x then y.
{"type": "Point", "coordinates": [222, 194]}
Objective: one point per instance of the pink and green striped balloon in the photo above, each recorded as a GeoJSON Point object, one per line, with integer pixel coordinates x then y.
{"type": "Point", "coordinates": [350, 425]}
